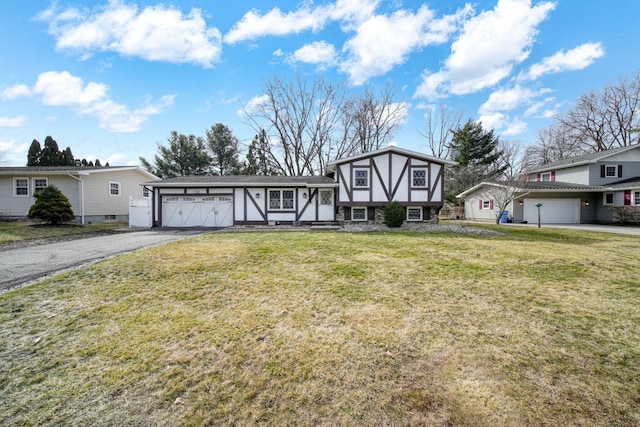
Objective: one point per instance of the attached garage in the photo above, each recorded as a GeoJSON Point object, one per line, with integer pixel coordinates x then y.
{"type": "Point", "coordinates": [552, 211]}
{"type": "Point", "coordinates": [197, 211]}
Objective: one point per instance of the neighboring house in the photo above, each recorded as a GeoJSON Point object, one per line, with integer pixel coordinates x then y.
{"type": "Point", "coordinates": [354, 189]}
{"type": "Point", "coordinates": [581, 189]}
{"type": "Point", "coordinates": [96, 194]}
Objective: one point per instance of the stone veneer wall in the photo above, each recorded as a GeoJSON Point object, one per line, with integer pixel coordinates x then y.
{"type": "Point", "coordinates": [379, 216]}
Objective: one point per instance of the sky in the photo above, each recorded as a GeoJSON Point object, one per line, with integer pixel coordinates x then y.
{"type": "Point", "coordinates": [111, 79]}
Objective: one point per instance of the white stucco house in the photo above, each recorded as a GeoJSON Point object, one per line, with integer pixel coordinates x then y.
{"type": "Point", "coordinates": [356, 188]}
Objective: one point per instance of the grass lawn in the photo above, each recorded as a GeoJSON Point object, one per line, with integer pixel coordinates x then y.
{"type": "Point", "coordinates": [530, 328]}
{"type": "Point", "coordinates": [27, 230]}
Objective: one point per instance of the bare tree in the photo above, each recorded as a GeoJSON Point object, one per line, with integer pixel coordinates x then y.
{"type": "Point", "coordinates": [553, 143]}
{"type": "Point", "coordinates": [441, 121]}
{"type": "Point", "coordinates": [607, 119]}
{"type": "Point", "coordinates": [312, 123]}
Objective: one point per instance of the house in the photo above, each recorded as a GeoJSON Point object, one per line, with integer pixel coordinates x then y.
{"type": "Point", "coordinates": [580, 189]}
{"type": "Point", "coordinates": [96, 194]}
{"type": "Point", "coordinates": [354, 189]}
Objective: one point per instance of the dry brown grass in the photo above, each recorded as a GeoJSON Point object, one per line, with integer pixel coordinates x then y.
{"type": "Point", "coordinates": [531, 328]}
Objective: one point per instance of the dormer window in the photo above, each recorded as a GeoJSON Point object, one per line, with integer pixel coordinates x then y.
{"type": "Point", "coordinates": [610, 171]}
{"type": "Point", "coordinates": [546, 177]}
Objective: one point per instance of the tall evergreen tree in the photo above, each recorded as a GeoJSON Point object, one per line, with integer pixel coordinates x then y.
{"type": "Point", "coordinates": [50, 153]}
{"type": "Point", "coordinates": [35, 153]}
{"type": "Point", "coordinates": [223, 146]}
{"type": "Point", "coordinates": [66, 158]}
{"type": "Point", "coordinates": [184, 155]}
{"type": "Point", "coordinates": [477, 153]}
{"type": "Point", "coordinates": [258, 157]}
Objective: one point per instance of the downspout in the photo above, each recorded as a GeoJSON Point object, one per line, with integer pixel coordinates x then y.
{"type": "Point", "coordinates": [81, 196]}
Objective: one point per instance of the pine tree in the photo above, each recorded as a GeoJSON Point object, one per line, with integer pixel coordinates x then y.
{"type": "Point", "coordinates": [223, 146]}
{"type": "Point", "coordinates": [35, 154]}
{"type": "Point", "coordinates": [51, 206]}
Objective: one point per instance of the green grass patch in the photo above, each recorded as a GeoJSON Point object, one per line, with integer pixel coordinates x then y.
{"type": "Point", "coordinates": [28, 230]}
{"type": "Point", "coordinates": [531, 327]}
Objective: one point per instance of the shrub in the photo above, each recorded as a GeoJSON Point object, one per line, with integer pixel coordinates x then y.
{"type": "Point", "coordinates": [51, 206]}
{"type": "Point", "coordinates": [394, 214]}
{"type": "Point", "coordinates": [626, 214]}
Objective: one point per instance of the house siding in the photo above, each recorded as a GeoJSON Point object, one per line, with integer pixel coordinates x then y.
{"type": "Point", "coordinates": [13, 206]}
{"type": "Point", "coordinates": [576, 175]}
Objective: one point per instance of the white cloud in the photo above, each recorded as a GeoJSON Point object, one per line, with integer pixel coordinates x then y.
{"type": "Point", "coordinates": [504, 123]}
{"type": "Point", "coordinates": [254, 25]}
{"type": "Point", "coordinates": [61, 89]}
{"type": "Point", "coordinates": [13, 122]}
{"type": "Point", "coordinates": [384, 41]}
{"type": "Point", "coordinates": [15, 91]}
{"type": "Point", "coordinates": [490, 45]}
{"type": "Point", "coordinates": [574, 59]}
{"type": "Point", "coordinates": [320, 53]}
{"type": "Point", "coordinates": [155, 33]}
{"type": "Point", "coordinates": [254, 104]}
{"type": "Point", "coordinates": [509, 99]}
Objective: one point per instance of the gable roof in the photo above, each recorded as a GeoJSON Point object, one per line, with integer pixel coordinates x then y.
{"type": "Point", "coordinates": [73, 170]}
{"type": "Point", "coordinates": [583, 159]}
{"type": "Point", "coordinates": [245, 181]}
{"type": "Point", "coordinates": [389, 149]}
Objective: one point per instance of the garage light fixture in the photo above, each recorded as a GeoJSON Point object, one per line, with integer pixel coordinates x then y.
{"type": "Point", "coordinates": [586, 203]}
{"type": "Point", "coordinates": [257, 195]}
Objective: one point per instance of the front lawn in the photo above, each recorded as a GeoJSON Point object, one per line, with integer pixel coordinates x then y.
{"type": "Point", "coordinates": [11, 231]}
{"type": "Point", "coordinates": [531, 328]}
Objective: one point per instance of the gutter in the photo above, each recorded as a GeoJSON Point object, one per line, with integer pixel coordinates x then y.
{"type": "Point", "coordinates": [81, 197]}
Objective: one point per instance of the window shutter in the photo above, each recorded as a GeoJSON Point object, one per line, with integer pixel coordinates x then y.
{"type": "Point", "coordinates": [553, 176]}
{"type": "Point", "coordinates": [491, 204]}
{"type": "Point", "coordinates": [538, 178]}
{"type": "Point", "coordinates": [602, 171]}
{"type": "Point", "coordinates": [371, 214]}
{"type": "Point", "coordinates": [480, 205]}
{"type": "Point", "coordinates": [619, 171]}
{"type": "Point", "coordinates": [347, 214]}
{"type": "Point", "coordinates": [627, 197]}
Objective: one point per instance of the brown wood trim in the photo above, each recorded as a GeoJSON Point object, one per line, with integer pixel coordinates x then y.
{"type": "Point", "coordinates": [343, 183]}
{"type": "Point", "coordinates": [247, 193]}
{"type": "Point", "coordinates": [402, 174]}
{"type": "Point", "coordinates": [310, 196]}
{"type": "Point", "coordinates": [379, 175]}
{"type": "Point", "coordinates": [439, 178]}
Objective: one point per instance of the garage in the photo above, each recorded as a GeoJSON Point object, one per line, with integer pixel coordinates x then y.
{"type": "Point", "coordinates": [552, 211]}
{"type": "Point", "coordinates": [197, 211]}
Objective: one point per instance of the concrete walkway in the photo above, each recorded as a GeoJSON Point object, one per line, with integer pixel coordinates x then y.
{"type": "Point", "coordinates": [25, 265]}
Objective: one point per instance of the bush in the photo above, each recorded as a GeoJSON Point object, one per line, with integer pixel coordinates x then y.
{"type": "Point", "coordinates": [626, 214]}
{"type": "Point", "coordinates": [394, 214]}
{"type": "Point", "coordinates": [51, 206]}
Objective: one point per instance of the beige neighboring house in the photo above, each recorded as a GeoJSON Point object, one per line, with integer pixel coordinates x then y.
{"type": "Point", "coordinates": [96, 194]}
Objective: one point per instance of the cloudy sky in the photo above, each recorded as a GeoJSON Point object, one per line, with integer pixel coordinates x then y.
{"type": "Point", "coordinates": [112, 79]}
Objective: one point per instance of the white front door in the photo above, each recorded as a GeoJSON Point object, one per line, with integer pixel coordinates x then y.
{"type": "Point", "coordinates": [326, 205]}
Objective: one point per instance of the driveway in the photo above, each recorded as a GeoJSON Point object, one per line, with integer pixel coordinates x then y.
{"type": "Point", "coordinates": [617, 229]}
{"type": "Point", "coordinates": [25, 265]}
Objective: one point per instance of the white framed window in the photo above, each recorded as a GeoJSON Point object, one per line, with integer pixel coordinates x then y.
{"type": "Point", "coordinates": [358, 214]}
{"type": "Point", "coordinates": [361, 178]}
{"type": "Point", "coordinates": [326, 197]}
{"type": "Point", "coordinates": [610, 171]}
{"type": "Point", "coordinates": [414, 214]}
{"type": "Point", "coordinates": [486, 204]}
{"type": "Point", "coordinates": [39, 184]}
{"type": "Point", "coordinates": [280, 199]}
{"type": "Point", "coordinates": [419, 178]}
{"type": "Point", "coordinates": [114, 188]}
{"type": "Point", "coordinates": [21, 187]}
{"type": "Point", "coordinates": [546, 176]}
{"type": "Point", "coordinates": [607, 199]}
{"type": "Point", "coordinates": [636, 197]}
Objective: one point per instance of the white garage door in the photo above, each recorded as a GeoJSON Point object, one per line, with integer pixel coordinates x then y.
{"type": "Point", "coordinates": [197, 211]}
{"type": "Point", "coordinates": [552, 211]}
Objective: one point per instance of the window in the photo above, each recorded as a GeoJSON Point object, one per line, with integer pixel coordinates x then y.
{"type": "Point", "coordinates": [21, 187]}
{"type": "Point", "coordinates": [145, 192]}
{"type": "Point", "coordinates": [361, 178]}
{"type": "Point", "coordinates": [114, 188]}
{"type": "Point", "coordinates": [636, 197]}
{"type": "Point", "coordinates": [280, 199]}
{"type": "Point", "coordinates": [608, 198]}
{"type": "Point", "coordinates": [545, 176]}
{"type": "Point", "coordinates": [419, 177]}
{"type": "Point", "coordinates": [326, 197]}
{"type": "Point", "coordinates": [358, 214]}
{"type": "Point", "coordinates": [414, 214]}
{"type": "Point", "coordinates": [611, 171]}
{"type": "Point", "coordinates": [39, 184]}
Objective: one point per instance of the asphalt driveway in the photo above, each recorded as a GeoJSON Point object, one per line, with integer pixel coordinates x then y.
{"type": "Point", "coordinates": [25, 265]}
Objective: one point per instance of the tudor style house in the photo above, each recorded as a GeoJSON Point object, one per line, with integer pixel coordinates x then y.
{"type": "Point", "coordinates": [96, 194]}
{"type": "Point", "coordinates": [353, 189]}
{"type": "Point", "coordinates": [581, 189]}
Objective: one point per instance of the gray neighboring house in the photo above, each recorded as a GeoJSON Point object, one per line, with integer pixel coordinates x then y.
{"type": "Point", "coordinates": [356, 188]}
{"type": "Point", "coordinates": [578, 190]}
{"type": "Point", "coordinates": [96, 194]}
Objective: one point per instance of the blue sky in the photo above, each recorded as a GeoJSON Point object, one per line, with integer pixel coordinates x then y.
{"type": "Point", "coordinates": [111, 79]}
